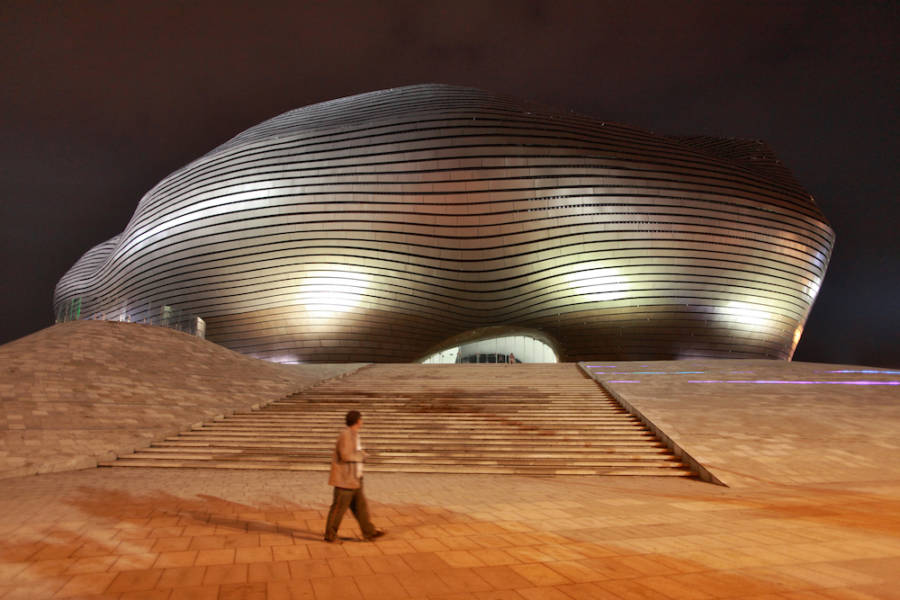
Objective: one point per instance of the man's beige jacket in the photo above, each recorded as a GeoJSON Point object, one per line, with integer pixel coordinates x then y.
{"type": "Point", "coordinates": [343, 462]}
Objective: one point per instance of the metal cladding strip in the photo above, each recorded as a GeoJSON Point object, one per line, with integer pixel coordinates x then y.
{"type": "Point", "coordinates": [385, 226]}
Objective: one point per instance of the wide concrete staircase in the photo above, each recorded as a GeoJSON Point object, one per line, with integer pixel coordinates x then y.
{"type": "Point", "coordinates": [534, 419]}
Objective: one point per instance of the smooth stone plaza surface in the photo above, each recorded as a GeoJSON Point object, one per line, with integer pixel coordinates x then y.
{"type": "Point", "coordinates": [790, 526]}
{"type": "Point", "coordinates": [768, 421]}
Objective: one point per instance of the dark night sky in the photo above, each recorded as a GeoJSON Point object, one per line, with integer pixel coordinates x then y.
{"type": "Point", "coordinates": [100, 100]}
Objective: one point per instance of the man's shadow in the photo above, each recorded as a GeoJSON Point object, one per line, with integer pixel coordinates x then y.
{"type": "Point", "coordinates": [200, 510]}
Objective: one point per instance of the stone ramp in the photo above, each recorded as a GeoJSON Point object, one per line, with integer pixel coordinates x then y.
{"type": "Point", "coordinates": [81, 392]}
{"type": "Point", "coordinates": [768, 421]}
{"type": "Point", "coordinates": [534, 419]}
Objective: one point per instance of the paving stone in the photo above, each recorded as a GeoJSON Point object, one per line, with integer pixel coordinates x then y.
{"type": "Point", "coordinates": [86, 584]}
{"type": "Point", "coordinates": [177, 577]}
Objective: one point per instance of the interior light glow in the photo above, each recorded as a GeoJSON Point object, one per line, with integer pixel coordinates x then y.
{"type": "Point", "coordinates": [284, 359]}
{"type": "Point", "coordinates": [597, 284]}
{"type": "Point", "coordinates": [521, 348]}
{"type": "Point", "coordinates": [331, 290]}
{"type": "Point", "coordinates": [745, 313]}
{"type": "Point", "coordinates": [443, 357]}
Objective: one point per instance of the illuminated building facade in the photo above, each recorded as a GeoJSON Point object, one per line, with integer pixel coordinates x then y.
{"type": "Point", "coordinates": [393, 225]}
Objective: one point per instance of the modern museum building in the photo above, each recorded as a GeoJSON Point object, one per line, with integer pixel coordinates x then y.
{"type": "Point", "coordinates": [451, 224]}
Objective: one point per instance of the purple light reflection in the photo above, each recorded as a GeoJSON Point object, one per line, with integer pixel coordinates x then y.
{"type": "Point", "coordinates": [864, 371]}
{"type": "Point", "coordinates": [650, 373]}
{"type": "Point", "coordinates": [794, 382]}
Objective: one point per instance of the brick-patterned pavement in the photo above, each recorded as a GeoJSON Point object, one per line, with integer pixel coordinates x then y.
{"type": "Point", "coordinates": [177, 534]}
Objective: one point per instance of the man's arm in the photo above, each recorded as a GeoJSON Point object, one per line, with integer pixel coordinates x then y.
{"type": "Point", "coordinates": [347, 448]}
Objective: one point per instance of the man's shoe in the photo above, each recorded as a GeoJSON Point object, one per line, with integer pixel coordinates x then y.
{"type": "Point", "coordinates": [333, 540]}
{"type": "Point", "coordinates": [378, 533]}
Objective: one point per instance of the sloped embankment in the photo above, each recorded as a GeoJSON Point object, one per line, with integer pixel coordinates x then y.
{"type": "Point", "coordinates": [78, 392]}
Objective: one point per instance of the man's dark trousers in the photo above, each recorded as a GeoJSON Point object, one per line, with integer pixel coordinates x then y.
{"type": "Point", "coordinates": [356, 501]}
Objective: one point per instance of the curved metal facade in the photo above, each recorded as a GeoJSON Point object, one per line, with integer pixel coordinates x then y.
{"type": "Point", "coordinates": [386, 226]}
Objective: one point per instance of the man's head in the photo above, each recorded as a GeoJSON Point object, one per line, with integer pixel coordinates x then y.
{"type": "Point", "coordinates": [354, 419]}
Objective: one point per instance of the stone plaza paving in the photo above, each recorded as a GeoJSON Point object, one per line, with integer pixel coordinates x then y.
{"type": "Point", "coordinates": [222, 534]}
{"type": "Point", "coordinates": [753, 422]}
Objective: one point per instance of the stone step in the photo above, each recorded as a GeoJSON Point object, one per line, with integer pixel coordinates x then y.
{"type": "Point", "coordinates": [468, 417]}
{"type": "Point", "coordinates": [389, 418]}
{"type": "Point", "coordinates": [574, 411]}
{"type": "Point", "coordinates": [651, 452]}
{"type": "Point", "coordinates": [398, 445]}
{"type": "Point", "coordinates": [509, 419]}
{"type": "Point", "coordinates": [416, 445]}
{"type": "Point", "coordinates": [536, 390]}
{"type": "Point", "coordinates": [510, 432]}
{"type": "Point", "coordinates": [673, 470]}
{"type": "Point", "coordinates": [348, 398]}
{"type": "Point", "coordinates": [430, 427]}
{"type": "Point", "coordinates": [264, 442]}
{"type": "Point", "coordinates": [311, 410]}
{"type": "Point", "coordinates": [384, 459]}
{"type": "Point", "coordinates": [472, 437]}
{"type": "Point", "coordinates": [424, 396]}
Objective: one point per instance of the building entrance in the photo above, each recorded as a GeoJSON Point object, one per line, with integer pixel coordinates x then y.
{"type": "Point", "coordinates": [504, 349]}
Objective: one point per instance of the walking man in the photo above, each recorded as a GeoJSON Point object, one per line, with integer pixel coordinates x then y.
{"type": "Point", "coordinates": [347, 479]}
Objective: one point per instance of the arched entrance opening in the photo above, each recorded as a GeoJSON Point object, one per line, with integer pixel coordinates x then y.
{"type": "Point", "coordinates": [519, 347]}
